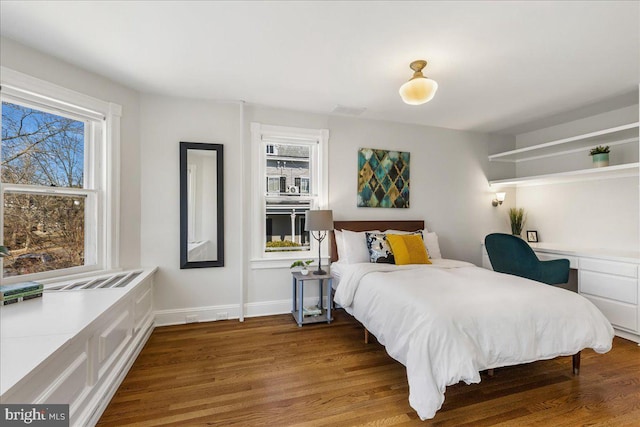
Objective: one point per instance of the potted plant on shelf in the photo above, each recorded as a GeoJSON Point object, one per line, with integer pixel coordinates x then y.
{"type": "Point", "coordinates": [517, 217]}
{"type": "Point", "coordinates": [304, 270]}
{"type": "Point", "coordinates": [600, 156]}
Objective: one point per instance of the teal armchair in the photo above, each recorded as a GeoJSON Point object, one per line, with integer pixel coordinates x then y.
{"type": "Point", "coordinates": [512, 255]}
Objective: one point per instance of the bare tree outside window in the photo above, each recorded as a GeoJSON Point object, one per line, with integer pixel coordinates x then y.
{"type": "Point", "coordinates": [43, 231]}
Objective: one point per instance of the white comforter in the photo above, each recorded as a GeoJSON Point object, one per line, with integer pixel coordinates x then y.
{"type": "Point", "coordinates": [448, 321]}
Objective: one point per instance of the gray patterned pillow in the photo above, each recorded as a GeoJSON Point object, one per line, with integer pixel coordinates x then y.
{"type": "Point", "coordinates": [379, 249]}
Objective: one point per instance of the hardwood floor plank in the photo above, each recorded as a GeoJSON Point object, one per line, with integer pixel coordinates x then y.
{"type": "Point", "coordinates": [267, 371]}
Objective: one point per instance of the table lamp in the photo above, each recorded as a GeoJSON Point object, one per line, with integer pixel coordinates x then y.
{"type": "Point", "coordinates": [320, 221]}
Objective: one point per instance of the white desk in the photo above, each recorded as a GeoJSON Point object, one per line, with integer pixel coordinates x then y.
{"type": "Point", "coordinates": [600, 253]}
{"type": "Point", "coordinates": [606, 277]}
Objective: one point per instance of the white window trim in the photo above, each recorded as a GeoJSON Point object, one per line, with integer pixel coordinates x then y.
{"type": "Point", "coordinates": [259, 258]}
{"type": "Point", "coordinates": [51, 97]}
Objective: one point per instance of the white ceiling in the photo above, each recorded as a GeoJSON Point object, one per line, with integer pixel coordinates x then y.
{"type": "Point", "coordinates": [500, 65]}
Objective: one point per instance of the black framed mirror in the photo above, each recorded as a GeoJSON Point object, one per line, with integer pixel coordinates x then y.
{"type": "Point", "coordinates": [201, 205]}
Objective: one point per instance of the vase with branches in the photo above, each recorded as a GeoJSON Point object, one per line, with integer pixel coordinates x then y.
{"type": "Point", "coordinates": [517, 217]}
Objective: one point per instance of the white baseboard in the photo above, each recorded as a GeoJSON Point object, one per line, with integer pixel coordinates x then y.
{"type": "Point", "coordinates": [222, 312]}
{"type": "Point", "coordinates": [179, 316]}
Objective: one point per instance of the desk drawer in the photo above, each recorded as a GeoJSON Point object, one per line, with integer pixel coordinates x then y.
{"type": "Point", "coordinates": [623, 289]}
{"type": "Point", "coordinates": [619, 314]}
{"type": "Point", "coordinates": [544, 256]}
{"type": "Point", "coordinates": [610, 267]}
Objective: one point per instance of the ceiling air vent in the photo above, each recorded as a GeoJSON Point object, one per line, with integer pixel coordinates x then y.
{"type": "Point", "coordinates": [348, 111]}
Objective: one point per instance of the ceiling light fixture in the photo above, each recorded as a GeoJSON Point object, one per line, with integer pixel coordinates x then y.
{"type": "Point", "coordinates": [419, 89]}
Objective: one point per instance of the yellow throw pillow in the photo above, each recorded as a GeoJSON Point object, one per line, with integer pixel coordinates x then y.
{"type": "Point", "coordinates": [408, 249]}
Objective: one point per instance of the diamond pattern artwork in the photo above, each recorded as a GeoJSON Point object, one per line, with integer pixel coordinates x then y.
{"type": "Point", "coordinates": [383, 178]}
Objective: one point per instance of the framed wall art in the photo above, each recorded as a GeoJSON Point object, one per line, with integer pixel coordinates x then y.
{"type": "Point", "coordinates": [383, 178]}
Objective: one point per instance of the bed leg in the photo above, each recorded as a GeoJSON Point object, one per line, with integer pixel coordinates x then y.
{"type": "Point", "coordinates": [366, 336]}
{"type": "Point", "coordinates": [576, 363]}
{"type": "Point", "coordinates": [490, 372]}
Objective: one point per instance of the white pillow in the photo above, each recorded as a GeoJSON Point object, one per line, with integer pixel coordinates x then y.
{"type": "Point", "coordinates": [339, 243]}
{"type": "Point", "coordinates": [423, 231]}
{"type": "Point", "coordinates": [431, 243]}
{"type": "Point", "coordinates": [355, 246]}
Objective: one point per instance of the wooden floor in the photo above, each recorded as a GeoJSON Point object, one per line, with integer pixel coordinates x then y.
{"type": "Point", "coordinates": [267, 371]}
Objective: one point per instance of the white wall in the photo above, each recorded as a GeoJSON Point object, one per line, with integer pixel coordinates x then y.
{"type": "Point", "coordinates": [164, 123]}
{"type": "Point", "coordinates": [593, 214]}
{"type": "Point", "coordinates": [589, 214]}
{"type": "Point", "coordinates": [449, 187]}
{"type": "Point", "coordinates": [28, 61]}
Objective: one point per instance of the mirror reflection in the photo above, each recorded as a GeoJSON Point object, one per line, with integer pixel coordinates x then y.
{"type": "Point", "coordinates": [201, 205]}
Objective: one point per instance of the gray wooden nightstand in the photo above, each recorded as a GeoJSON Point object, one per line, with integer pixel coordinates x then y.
{"type": "Point", "coordinates": [297, 310]}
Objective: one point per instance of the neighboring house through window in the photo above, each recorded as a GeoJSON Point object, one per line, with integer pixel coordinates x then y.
{"type": "Point", "coordinates": [59, 180]}
{"type": "Point", "coordinates": [291, 178]}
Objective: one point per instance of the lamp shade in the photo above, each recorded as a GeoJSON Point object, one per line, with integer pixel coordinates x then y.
{"type": "Point", "coordinates": [318, 220]}
{"type": "Point", "coordinates": [418, 90]}
{"type": "Point", "coordinates": [501, 196]}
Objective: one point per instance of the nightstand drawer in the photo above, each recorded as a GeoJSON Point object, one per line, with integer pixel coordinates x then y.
{"type": "Point", "coordinates": [623, 289]}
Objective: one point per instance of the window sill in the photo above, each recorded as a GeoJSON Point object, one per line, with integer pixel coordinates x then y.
{"type": "Point", "coordinates": [269, 263]}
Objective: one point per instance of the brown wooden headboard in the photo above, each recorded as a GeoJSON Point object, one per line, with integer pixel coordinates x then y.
{"type": "Point", "coordinates": [370, 225]}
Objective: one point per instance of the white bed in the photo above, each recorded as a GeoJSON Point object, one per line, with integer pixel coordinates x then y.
{"type": "Point", "coordinates": [448, 321]}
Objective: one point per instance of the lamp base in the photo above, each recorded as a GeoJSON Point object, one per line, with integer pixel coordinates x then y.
{"type": "Point", "coordinates": [319, 272]}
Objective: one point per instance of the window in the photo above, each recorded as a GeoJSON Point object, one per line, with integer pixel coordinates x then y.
{"type": "Point", "coordinates": [58, 209]}
{"type": "Point", "coordinates": [291, 178]}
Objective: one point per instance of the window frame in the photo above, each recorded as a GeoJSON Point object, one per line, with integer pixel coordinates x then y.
{"type": "Point", "coordinates": [102, 169]}
{"type": "Point", "coordinates": [261, 136]}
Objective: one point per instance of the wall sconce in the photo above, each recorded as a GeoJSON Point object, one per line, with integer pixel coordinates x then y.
{"type": "Point", "coordinates": [499, 199]}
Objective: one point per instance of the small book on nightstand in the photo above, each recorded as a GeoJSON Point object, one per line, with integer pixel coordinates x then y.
{"type": "Point", "coordinates": [311, 311]}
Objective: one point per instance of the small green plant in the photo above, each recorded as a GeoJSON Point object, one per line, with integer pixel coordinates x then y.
{"type": "Point", "coordinates": [517, 217]}
{"type": "Point", "coordinates": [4, 252]}
{"type": "Point", "coordinates": [599, 150]}
{"type": "Point", "coordinates": [300, 263]}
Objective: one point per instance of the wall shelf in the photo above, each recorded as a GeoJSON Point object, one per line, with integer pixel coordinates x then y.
{"type": "Point", "coordinates": [609, 172]}
{"type": "Point", "coordinates": [612, 136]}
{"type": "Point", "coordinates": [617, 135]}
